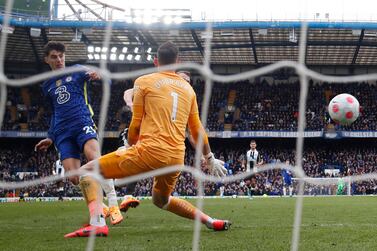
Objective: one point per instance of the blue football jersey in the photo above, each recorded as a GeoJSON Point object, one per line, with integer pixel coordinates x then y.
{"type": "Point", "coordinates": [287, 176]}
{"type": "Point", "coordinates": [68, 96]}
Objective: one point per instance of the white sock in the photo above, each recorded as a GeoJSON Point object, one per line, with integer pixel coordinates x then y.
{"type": "Point", "coordinates": [284, 191]}
{"type": "Point", "coordinates": [209, 222]}
{"type": "Point", "coordinates": [290, 191]}
{"type": "Point", "coordinates": [108, 187]}
{"type": "Point", "coordinates": [97, 221]}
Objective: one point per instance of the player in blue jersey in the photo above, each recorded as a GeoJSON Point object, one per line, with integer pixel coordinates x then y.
{"type": "Point", "coordinates": [287, 180]}
{"type": "Point", "coordinates": [72, 128]}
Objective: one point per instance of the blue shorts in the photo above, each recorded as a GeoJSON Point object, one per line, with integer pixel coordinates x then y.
{"type": "Point", "coordinates": [70, 143]}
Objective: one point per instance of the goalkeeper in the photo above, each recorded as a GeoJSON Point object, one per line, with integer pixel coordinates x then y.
{"type": "Point", "coordinates": [129, 200]}
{"type": "Point", "coordinates": [163, 105]}
{"type": "Point", "coordinates": [341, 186]}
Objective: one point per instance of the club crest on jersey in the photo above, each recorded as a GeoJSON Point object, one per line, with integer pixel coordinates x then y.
{"type": "Point", "coordinates": [58, 82]}
{"type": "Point", "coordinates": [68, 79]}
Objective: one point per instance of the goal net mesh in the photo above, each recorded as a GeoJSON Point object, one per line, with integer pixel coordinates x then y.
{"type": "Point", "coordinates": [302, 183]}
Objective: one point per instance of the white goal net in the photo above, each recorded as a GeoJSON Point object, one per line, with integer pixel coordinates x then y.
{"type": "Point", "coordinates": [302, 183]}
{"type": "Point", "coordinates": [324, 186]}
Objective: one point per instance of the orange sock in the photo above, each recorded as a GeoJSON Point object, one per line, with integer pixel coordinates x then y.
{"type": "Point", "coordinates": [96, 217]}
{"type": "Point", "coordinates": [94, 209]}
{"type": "Point", "coordinates": [186, 209]}
{"type": "Point", "coordinates": [93, 196]}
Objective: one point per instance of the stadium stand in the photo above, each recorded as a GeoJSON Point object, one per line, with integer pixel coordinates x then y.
{"type": "Point", "coordinates": [349, 157]}
{"type": "Point", "coordinates": [267, 103]}
{"type": "Point", "coordinates": [258, 105]}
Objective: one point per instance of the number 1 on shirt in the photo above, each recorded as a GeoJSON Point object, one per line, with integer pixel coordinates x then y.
{"type": "Point", "coordinates": [175, 106]}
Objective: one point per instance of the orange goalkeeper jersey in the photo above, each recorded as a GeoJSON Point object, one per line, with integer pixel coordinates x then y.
{"type": "Point", "coordinates": [163, 102]}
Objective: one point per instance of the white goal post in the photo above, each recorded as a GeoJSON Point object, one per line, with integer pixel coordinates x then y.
{"type": "Point", "coordinates": [324, 186]}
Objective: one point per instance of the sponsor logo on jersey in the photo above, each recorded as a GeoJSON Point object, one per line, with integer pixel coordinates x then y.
{"type": "Point", "coordinates": [58, 82]}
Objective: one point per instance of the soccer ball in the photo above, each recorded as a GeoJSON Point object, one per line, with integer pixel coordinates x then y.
{"type": "Point", "coordinates": [344, 109]}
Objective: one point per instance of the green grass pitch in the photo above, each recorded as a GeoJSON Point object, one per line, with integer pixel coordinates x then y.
{"type": "Point", "coordinates": [332, 223]}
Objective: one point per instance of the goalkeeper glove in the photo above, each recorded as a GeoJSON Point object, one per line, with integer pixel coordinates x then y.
{"type": "Point", "coordinates": [215, 166]}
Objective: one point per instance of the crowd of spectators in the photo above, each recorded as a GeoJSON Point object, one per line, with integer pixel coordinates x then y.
{"type": "Point", "coordinates": [263, 105]}
{"type": "Point", "coordinates": [22, 163]}
{"type": "Point", "coordinates": [259, 104]}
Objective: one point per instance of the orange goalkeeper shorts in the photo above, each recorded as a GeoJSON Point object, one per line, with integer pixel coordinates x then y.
{"type": "Point", "coordinates": [135, 160]}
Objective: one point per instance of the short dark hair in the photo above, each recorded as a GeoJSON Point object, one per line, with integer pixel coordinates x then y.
{"type": "Point", "coordinates": [253, 141]}
{"type": "Point", "coordinates": [167, 53]}
{"type": "Point", "coordinates": [53, 45]}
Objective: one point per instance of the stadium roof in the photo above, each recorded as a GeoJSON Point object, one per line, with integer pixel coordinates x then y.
{"type": "Point", "coordinates": [255, 43]}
